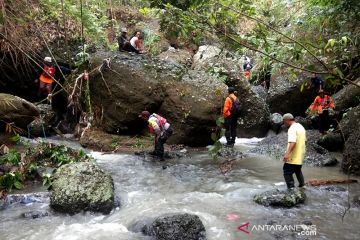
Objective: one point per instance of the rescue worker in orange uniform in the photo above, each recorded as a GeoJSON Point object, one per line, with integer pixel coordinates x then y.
{"type": "Point", "coordinates": [230, 113]}
{"type": "Point", "coordinates": [321, 106]}
{"type": "Point", "coordinates": [46, 78]}
{"type": "Point", "coordinates": [160, 128]}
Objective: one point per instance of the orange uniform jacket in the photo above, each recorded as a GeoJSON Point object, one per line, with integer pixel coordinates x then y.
{"type": "Point", "coordinates": [228, 105]}
{"type": "Point", "coordinates": [320, 104]}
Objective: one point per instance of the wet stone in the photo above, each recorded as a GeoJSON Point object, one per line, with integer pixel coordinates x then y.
{"type": "Point", "coordinates": [281, 198]}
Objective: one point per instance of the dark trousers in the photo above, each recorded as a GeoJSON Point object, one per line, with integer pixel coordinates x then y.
{"type": "Point", "coordinates": [323, 121]}
{"type": "Point", "coordinates": [159, 142]}
{"type": "Point", "coordinates": [289, 170]}
{"type": "Point", "coordinates": [230, 129]}
{"type": "Point", "coordinates": [128, 48]}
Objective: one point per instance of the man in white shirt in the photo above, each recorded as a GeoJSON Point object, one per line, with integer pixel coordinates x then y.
{"type": "Point", "coordinates": [295, 152]}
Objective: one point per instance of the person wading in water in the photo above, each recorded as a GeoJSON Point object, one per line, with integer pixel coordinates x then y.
{"type": "Point", "coordinates": [295, 152]}
{"type": "Point", "coordinates": [160, 128]}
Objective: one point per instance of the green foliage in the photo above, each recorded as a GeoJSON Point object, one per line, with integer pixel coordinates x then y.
{"type": "Point", "coordinates": [139, 144]}
{"type": "Point", "coordinates": [82, 57]}
{"type": "Point", "coordinates": [151, 41]}
{"type": "Point", "coordinates": [60, 154]}
{"type": "Point", "coordinates": [93, 17]}
{"type": "Point", "coordinates": [215, 137]}
{"type": "Point", "coordinates": [47, 180]}
{"type": "Point", "coordinates": [11, 180]}
{"type": "Point", "coordinates": [12, 157]}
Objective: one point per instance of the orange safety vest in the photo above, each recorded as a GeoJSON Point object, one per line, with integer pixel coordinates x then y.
{"type": "Point", "coordinates": [228, 105]}
{"type": "Point", "coordinates": [321, 103]}
{"type": "Point", "coordinates": [48, 74]}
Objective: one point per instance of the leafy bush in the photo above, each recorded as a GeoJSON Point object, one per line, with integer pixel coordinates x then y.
{"type": "Point", "coordinates": [11, 180]}
{"type": "Point", "coordinates": [12, 157]}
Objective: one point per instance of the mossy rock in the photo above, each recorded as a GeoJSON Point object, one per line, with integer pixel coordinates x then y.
{"type": "Point", "coordinates": [281, 198]}
{"type": "Point", "coordinates": [82, 187]}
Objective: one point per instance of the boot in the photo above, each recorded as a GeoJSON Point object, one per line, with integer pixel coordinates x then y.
{"type": "Point", "coordinates": [290, 183]}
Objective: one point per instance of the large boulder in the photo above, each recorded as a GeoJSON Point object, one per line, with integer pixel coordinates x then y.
{"type": "Point", "coordinates": [176, 227]}
{"type": "Point", "coordinates": [350, 122]}
{"type": "Point", "coordinates": [254, 119]}
{"type": "Point", "coordinates": [17, 110]}
{"type": "Point", "coordinates": [347, 97]}
{"type": "Point", "coordinates": [285, 95]}
{"type": "Point", "coordinates": [315, 155]}
{"type": "Point", "coordinates": [191, 101]}
{"type": "Point", "coordinates": [281, 198]}
{"type": "Point", "coordinates": [351, 130]}
{"type": "Point", "coordinates": [81, 187]}
{"type": "Point", "coordinates": [180, 56]}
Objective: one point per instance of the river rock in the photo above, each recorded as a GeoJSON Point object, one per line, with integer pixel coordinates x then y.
{"type": "Point", "coordinates": [351, 155]}
{"type": "Point", "coordinates": [17, 110]}
{"type": "Point", "coordinates": [81, 187]}
{"type": "Point", "coordinates": [332, 142]}
{"type": "Point", "coordinates": [281, 198]}
{"type": "Point", "coordinates": [42, 125]}
{"type": "Point", "coordinates": [347, 97]}
{"type": "Point", "coordinates": [28, 198]}
{"type": "Point", "coordinates": [276, 146]}
{"type": "Point", "coordinates": [350, 123]}
{"type": "Point", "coordinates": [276, 121]}
{"type": "Point", "coordinates": [176, 227]}
{"type": "Point", "coordinates": [35, 214]}
{"type": "Point", "coordinates": [350, 127]}
{"type": "Point", "coordinates": [284, 89]}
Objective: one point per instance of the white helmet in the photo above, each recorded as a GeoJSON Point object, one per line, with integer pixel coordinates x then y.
{"type": "Point", "coordinates": [48, 59]}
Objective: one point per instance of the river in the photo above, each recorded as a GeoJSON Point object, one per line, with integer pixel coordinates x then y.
{"type": "Point", "coordinates": [194, 184]}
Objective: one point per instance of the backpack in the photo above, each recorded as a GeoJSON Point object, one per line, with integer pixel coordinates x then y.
{"type": "Point", "coordinates": [235, 108]}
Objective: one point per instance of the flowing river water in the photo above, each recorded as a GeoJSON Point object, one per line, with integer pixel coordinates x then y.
{"type": "Point", "coordinates": [194, 184]}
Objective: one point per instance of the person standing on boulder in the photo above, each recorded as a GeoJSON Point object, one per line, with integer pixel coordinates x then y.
{"type": "Point", "coordinates": [317, 84]}
{"type": "Point", "coordinates": [295, 152]}
{"type": "Point", "coordinates": [231, 112]}
{"type": "Point", "coordinates": [160, 128]}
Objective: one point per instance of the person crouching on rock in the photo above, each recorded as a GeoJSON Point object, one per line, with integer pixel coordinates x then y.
{"type": "Point", "coordinates": [295, 152]}
{"type": "Point", "coordinates": [321, 106]}
{"type": "Point", "coordinates": [46, 78]}
{"type": "Point", "coordinates": [160, 128]}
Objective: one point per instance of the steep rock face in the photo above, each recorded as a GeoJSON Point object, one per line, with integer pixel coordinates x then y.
{"type": "Point", "coordinates": [81, 187]}
{"type": "Point", "coordinates": [17, 110]}
{"type": "Point", "coordinates": [285, 95]}
{"type": "Point", "coordinates": [191, 101]}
